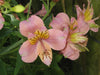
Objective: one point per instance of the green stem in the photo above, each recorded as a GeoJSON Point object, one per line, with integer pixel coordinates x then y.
{"type": "Point", "coordinates": [63, 5]}
{"type": "Point", "coordinates": [48, 4]}
{"type": "Point", "coordinates": [47, 14]}
{"type": "Point", "coordinates": [49, 11]}
{"type": "Point", "coordinates": [29, 9]}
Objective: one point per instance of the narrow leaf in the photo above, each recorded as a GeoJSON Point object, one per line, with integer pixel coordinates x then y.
{"type": "Point", "coordinates": [19, 64]}
{"type": "Point", "coordinates": [2, 68]}
{"type": "Point", "coordinates": [6, 50]}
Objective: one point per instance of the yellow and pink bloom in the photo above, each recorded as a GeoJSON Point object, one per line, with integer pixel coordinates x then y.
{"type": "Point", "coordinates": [86, 16]}
{"type": "Point", "coordinates": [40, 40]}
{"type": "Point", "coordinates": [72, 33]}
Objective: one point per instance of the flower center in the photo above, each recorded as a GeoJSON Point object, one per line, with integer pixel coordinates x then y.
{"type": "Point", "coordinates": [39, 35]}
{"type": "Point", "coordinates": [72, 25]}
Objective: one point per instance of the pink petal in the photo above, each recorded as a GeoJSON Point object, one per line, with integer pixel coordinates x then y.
{"type": "Point", "coordinates": [1, 21]}
{"type": "Point", "coordinates": [42, 12]}
{"type": "Point", "coordinates": [64, 17]}
{"type": "Point", "coordinates": [70, 52]}
{"type": "Point", "coordinates": [74, 56]}
{"type": "Point", "coordinates": [72, 19]}
{"type": "Point", "coordinates": [67, 51]}
{"type": "Point", "coordinates": [56, 39]}
{"type": "Point", "coordinates": [94, 29]}
{"type": "Point", "coordinates": [45, 52]}
{"type": "Point", "coordinates": [26, 8]}
{"type": "Point", "coordinates": [76, 52]}
{"type": "Point", "coordinates": [79, 12]}
{"type": "Point", "coordinates": [83, 26]}
{"type": "Point", "coordinates": [31, 35]}
{"type": "Point", "coordinates": [90, 7]}
{"type": "Point", "coordinates": [31, 25]}
{"type": "Point", "coordinates": [26, 11]}
{"type": "Point", "coordinates": [66, 31]}
{"type": "Point", "coordinates": [28, 52]}
{"type": "Point", "coordinates": [60, 21]}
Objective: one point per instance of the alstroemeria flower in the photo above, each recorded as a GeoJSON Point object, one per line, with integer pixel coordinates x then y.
{"type": "Point", "coordinates": [85, 17]}
{"type": "Point", "coordinates": [1, 21]}
{"type": "Point", "coordinates": [40, 40]}
{"type": "Point", "coordinates": [42, 12]}
{"type": "Point", "coordinates": [74, 38]}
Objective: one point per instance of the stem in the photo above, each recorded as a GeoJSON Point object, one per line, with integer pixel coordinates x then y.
{"type": "Point", "coordinates": [48, 4]}
{"type": "Point", "coordinates": [29, 9]}
{"type": "Point", "coordinates": [63, 5]}
{"type": "Point", "coordinates": [47, 14]}
{"type": "Point", "coordinates": [48, 11]}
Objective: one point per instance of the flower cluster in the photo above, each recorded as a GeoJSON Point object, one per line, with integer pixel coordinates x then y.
{"type": "Point", "coordinates": [68, 36]}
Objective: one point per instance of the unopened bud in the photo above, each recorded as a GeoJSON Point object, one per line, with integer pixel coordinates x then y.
{"type": "Point", "coordinates": [18, 8]}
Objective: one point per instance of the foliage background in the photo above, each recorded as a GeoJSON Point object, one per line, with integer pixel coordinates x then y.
{"type": "Point", "coordinates": [11, 64]}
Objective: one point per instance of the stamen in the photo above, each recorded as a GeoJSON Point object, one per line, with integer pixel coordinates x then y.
{"type": "Point", "coordinates": [72, 25]}
{"type": "Point", "coordinates": [38, 36]}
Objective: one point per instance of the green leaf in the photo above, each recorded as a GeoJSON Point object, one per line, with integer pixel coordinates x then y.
{"type": "Point", "coordinates": [2, 68]}
{"type": "Point", "coordinates": [47, 21]}
{"type": "Point", "coordinates": [5, 32]}
{"type": "Point", "coordinates": [19, 64]}
{"type": "Point", "coordinates": [55, 69]}
{"type": "Point", "coordinates": [58, 57]}
{"type": "Point", "coordinates": [6, 50]}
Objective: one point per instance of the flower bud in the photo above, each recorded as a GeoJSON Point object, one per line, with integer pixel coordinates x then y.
{"type": "Point", "coordinates": [18, 8]}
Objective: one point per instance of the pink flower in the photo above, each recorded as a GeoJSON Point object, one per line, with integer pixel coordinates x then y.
{"type": "Point", "coordinates": [85, 17]}
{"type": "Point", "coordinates": [1, 21]}
{"type": "Point", "coordinates": [42, 12]}
{"type": "Point", "coordinates": [40, 40]}
{"type": "Point", "coordinates": [74, 38]}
